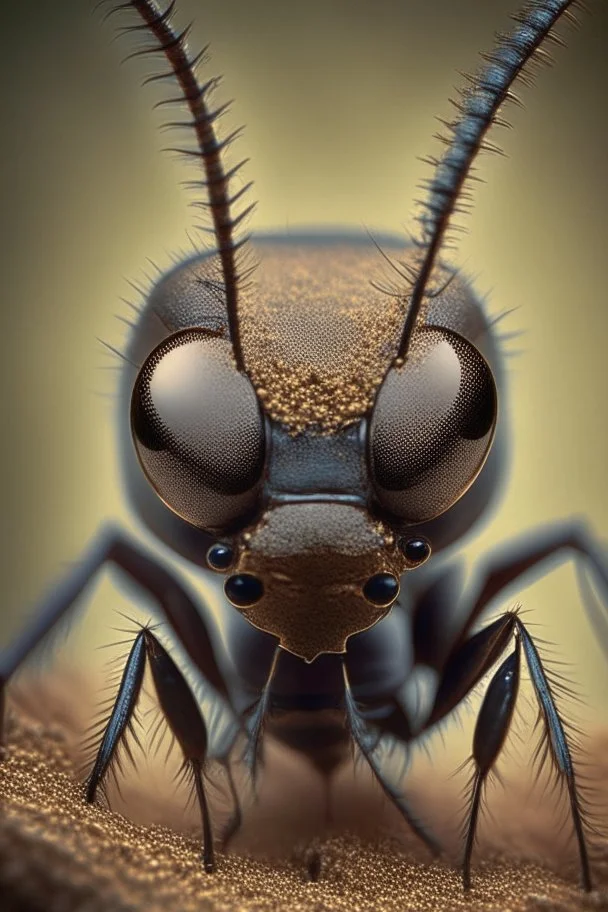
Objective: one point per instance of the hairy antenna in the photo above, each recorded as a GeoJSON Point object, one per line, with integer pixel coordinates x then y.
{"type": "Point", "coordinates": [216, 182]}
{"type": "Point", "coordinates": [478, 105]}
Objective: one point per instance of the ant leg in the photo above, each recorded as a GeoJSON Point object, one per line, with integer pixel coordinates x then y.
{"type": "Point", "coordinates": [367, 741]}
{"type": "Point", "coordinates": [557, 744]}
{"type": "Point", "coordinates": [491, 730]}
{"type": "Point", "coordinates": [179, 709]}
{"type": "Point", "coordinates": [514, 560]}
{"type": "Point", "coordinates": [120, 720]}
{"type": "Point", "coordinates": [466, 667]}
{"type": "Point", "coordinates": [187, 724]}
{"type": "Point", "coordinates": [469, 663]}
{"type": "Point", "coordinates": [435, 638]}
{"type": "Point", "coordinates": [178, 607]}
{"type": "Point", "coordinates": [234, 824]}
{"type": "Point", "coordinates": [257, 716]}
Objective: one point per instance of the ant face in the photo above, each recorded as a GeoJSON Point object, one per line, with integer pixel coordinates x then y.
{"type": "Point", "coordinates": [312, 574]}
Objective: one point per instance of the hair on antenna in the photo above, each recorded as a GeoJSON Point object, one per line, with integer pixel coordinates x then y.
{"type": "Point", "coordinates": [513, 58]}
{"type": "Point", "coordinates": [195, 95]}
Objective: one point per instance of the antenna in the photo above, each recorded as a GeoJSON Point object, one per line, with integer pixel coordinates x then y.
{"type": "Point", "coordinates": [183, 68]}
{"type": "Point", "coordinates": [478, 106]}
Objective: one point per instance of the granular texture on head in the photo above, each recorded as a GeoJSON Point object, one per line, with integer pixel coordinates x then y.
{"type": "Point", "coordinates": [320, 321]}
{"type": "Point", "coordinates": [59, 855]}
{"type": "Point", "coordinates": [314, 559]}
{"type": "Point", "coordinates": [318, 336]}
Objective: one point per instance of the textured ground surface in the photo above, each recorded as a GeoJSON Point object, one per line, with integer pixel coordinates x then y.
{"type": "Point", "coordinates": [57, 855]}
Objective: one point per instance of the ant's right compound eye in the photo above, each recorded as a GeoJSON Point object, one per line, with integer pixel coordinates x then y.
{"type": "Point", "coordinates": [198, 430]}
{"type": "Point", "coordinates": [432, 426]}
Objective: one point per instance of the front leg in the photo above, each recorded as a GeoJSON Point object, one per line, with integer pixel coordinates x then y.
{"type": "Point", "coordinates": [514, 561]}
{"type": "Point", "coordinates": [496, 573]}
{"type": "Point", "coordinates": [178, 607]}
{"type": "Point", "coordinates": [367, 741]}
{"type": "Point", "coordinates": [492, 728]}
{"type": "Point", "coordinates": [180, 710]}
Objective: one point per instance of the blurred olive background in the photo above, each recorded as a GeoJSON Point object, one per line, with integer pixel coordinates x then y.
{"type": "Point", "coordinates": [339, 100]}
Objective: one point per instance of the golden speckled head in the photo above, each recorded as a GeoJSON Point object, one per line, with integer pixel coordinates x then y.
{"type": "Point", "coordinates": [324, 571]}
{"type": "Point", "coordinates": [310, 463]}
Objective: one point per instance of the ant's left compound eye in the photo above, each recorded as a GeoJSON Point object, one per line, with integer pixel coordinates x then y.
{"type": "Point", "coordinates": [432, 426]}
{"type": "Point", "coordinates": [198, 429]}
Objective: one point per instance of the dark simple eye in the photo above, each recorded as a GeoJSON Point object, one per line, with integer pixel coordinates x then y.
{"type": "Point", "coordinates": [220, 557]}
{"type": "Point", "coordinates": [243, 589]}
{"type": "Point", "coordinates": [432, 426]}
{"type": "Point", "coordinates": [198, 429]}
{"type": "Point", "coordinates": [381, 589]}
{"type": "Point", "coordinates": [415, 550]}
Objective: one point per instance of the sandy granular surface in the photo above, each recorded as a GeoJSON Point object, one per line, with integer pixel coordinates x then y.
{"type": "Point", "coordinates": [58, 854]}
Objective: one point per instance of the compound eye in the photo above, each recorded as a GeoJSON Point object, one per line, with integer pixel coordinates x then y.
{"type": "Point", "coordinates": [220, 557]}
{"type": "Point", "coordinates": [243, 589]}
{"type": "Point", "coordinates": [381, 589]}
{"type": "Point", "coordinates": [198, 430]}
{"type": "Point", "coordinates": [415, 550]}
{"type": "Point", "coordinates": [432, 426]}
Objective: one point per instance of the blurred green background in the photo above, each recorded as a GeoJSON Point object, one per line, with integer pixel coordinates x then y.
{"type": "Point", "coordinates": [339, 100]}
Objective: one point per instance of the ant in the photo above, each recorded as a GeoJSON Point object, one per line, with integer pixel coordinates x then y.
{"type": "Point", "coordinates": [314, 436]}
